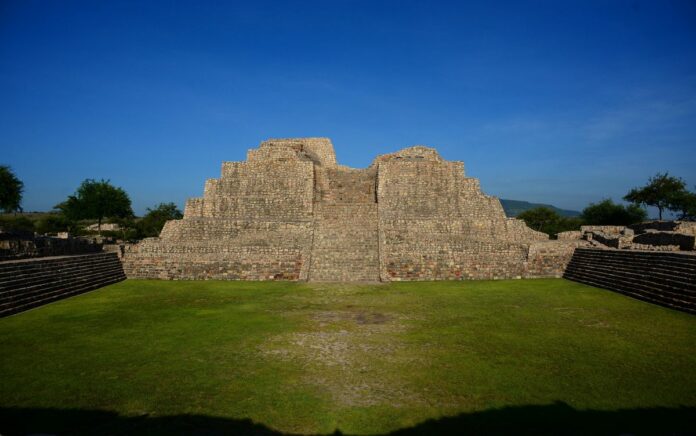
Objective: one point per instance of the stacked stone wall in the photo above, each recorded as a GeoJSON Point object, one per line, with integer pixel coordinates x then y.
{"type": "Point", "coordinates": [265, 189]}
{"type": "Point", "coordinates": [319, 150]}
{"type": "Point", "coordinates": [253, 223]}
{"type": "Point", "coordinates": [549, 258]}
{"type": "Point", "coordinates": [680, 241]}
{"type": "Point", "coordinates": [345, 185]}
{"type": "Point", "coordinates": [436, 224]}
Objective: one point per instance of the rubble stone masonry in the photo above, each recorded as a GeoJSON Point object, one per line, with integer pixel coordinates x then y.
{"type": "Point", "coordinates": [290, 212]}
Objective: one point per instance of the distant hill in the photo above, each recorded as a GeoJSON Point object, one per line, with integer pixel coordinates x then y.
{"type": "Point", "coordinates": [516, 207]}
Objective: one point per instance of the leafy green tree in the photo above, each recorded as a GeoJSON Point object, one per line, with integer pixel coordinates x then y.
{"type": "Point", "coordinates": [153, 221]}
{"type": "Point", "coordinates": [548, 221]}
{"type": "Point", "coordinates": [96, 200]}
{"type": "Point", "coordinates": [684, 203]}
{"type": "Point", "coordinates": [657, 192]}
{"type": "Point", "coordinates": [607, 213]}
{"type": "Point", "coordinates": [11, 189]}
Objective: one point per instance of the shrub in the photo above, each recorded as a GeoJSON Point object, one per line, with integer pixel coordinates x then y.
{"type": "Point", "coordinates": [607, 213]}
{"type": "Point", "coordinates": [18, 223]}
{"type": "Point", "coordinates": [549, 221]}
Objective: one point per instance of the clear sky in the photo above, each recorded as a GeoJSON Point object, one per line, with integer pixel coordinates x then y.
{"type": "Point", "coordinates": [548, 101]}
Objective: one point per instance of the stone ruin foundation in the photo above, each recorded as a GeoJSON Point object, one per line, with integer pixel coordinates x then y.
{"type": "Point", "coordinates": [647, 236]}
{"type": "Point", "coordinates": [291, 212]}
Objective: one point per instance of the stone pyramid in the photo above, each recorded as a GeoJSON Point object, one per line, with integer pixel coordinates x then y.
{"type": "Point", "coordinates": [290, 212]}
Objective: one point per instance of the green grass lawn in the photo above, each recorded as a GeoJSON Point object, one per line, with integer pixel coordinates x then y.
{"type": "Point", "coordinates": [536, 356]}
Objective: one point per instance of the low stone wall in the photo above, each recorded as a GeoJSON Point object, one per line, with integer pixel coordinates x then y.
{"type": "Point", "coordinates": [609, 230]}
{"type": "Point", "coordinates": [656, 238]}
{"type": "Point", "coordinates": [613, 240]}
{"type": "Point", "coordinates": [686, 227]}
{"type": "Point", "coordinates": [570, 235]}
{"type": "Point", "coordinates": [649, 236]}
{"type": "Point", "coordinates": [26, 245]}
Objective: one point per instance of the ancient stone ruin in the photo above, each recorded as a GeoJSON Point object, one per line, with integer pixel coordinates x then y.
{"type": "Point", "coordinates": [15, 245]}
{"type": "Point", "coordinates": [650, 236]}
{"type": "Point", "coordinates": [291, 212]}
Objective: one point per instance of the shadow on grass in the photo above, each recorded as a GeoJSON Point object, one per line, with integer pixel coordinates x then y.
{"type": "Point", "coordinates": [558, 418]}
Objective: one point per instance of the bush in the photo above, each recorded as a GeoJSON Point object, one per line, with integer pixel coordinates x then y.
{"type": "Point", "coordinates": [547, 220]}
{"type": "Point", "coordinates": [153, 221]}
{"type": "Point", "coordinates": [607, 213]}
{"type": "Point", "coordinates": [16, 223]}
{"type": "Point", "coordinates": [52, 224]}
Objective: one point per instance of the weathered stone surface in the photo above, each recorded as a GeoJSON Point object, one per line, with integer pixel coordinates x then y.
{"type": "Point", "coordinates": [570, 235]}
{"type": "Point", "coordinates": [291, 212]}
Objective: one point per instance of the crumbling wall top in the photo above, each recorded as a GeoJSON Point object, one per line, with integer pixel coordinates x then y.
{"type": "Point", "coordinates": [319, 150]}
{"type": "Point", "coordinates": [415, 153]}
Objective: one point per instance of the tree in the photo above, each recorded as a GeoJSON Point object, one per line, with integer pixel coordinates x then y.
{"type": "Point", "coordinates": [96, 200]}
{"type": "Point", "coordinates": [548, 221]}
{"type": "Point", "coordinates": [683, 202]}
{"type": "Point", "coordinates": [11, 189]}
{"type": "Point", "coordinates": [607, 213]}
{"type": "Point", "coordinates": [153, 221]}
{"type": "Point", "coordinates": [657, 192]}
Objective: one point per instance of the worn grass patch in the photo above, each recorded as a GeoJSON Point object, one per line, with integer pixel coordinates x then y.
{"type": "Point", "coordinates": [153, 356]}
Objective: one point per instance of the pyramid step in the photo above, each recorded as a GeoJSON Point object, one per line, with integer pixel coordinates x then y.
{"type": "Point", "coordinates": [61, 289]}
{"type": "Point", "coordinates": [48, 275]}
{"type": "Point", "coordinates": [667, 279]}
{"type": "Point", "coordinates": [58, 282]}
{"type": "Point", "coordinates": [653, 277]}
{"type": "Point", "coordinates": [59, 296]}
{"type": "Point", "coordinates": [34, 282]}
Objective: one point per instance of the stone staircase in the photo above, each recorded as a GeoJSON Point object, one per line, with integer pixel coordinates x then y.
{"type": "Point", "coordinates": [346, 242]}
{"type": "Point", "coordinates": [33, 282]}
{"type": "Point", "coordinates": [664, 278]}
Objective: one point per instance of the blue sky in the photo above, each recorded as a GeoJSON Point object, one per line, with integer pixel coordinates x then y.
{"type": "Point", "coordinates": [546, 101]}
